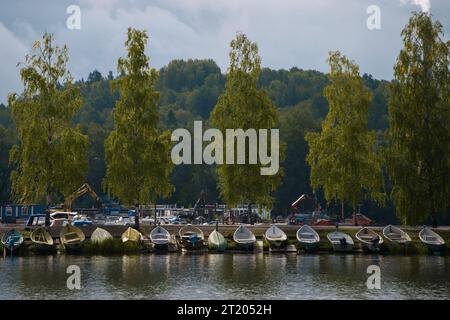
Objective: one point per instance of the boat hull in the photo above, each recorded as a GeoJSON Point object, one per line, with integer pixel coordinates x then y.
{"type": "Point", "coordinates": [161, 246]}
{"type": "Point", "coordinates": [73, 247]}
{"type": "Point", "coordinates": [370, 247]}
{"type": "Point", "coordinates": [219, 247]}
{"type": "Point", "coordinates": [188, 245]}
{"type": "Point", "coordinates": [72, 238]}
{"type": "Point", "coordinates": [131, 236]}
{"type": "Point", "coordinates": [247, 246]}
{"type": "Point", "coordinates": [341, 242]}
{"type": "Point", "coordinates": [100, 236]}
{"type": "Point", "coordinates": [244, 238]}
{"type": "Point", "coordinates": [396, 236]}
{"type": "Point", "coordinates": [400, 243]}
{"type": "Point", "coordinates": [276, 244]}
{"type": "Point", "coordinates": [309, 246]}
{"type": "Point", "coordinates": [436, 248]}
{"type": "Point", "coordinates": [308, 238]}
{"type": "Point", "coordinates": [337, 247]}
{"type": "Point", "coordinates": [42, 241]}
{"type": "Point", "coordinates": [44, 248]}
{"type": "Point", "coordinates": [370, 240]}
{"type": "Point", "coordinates": [217, 242]}
{"type": "Point", "coordinates": [276, 237]}
{"type": "Point", "coordinates": [12, 241]}
{"type": "Point", "coordinates": [11, 249]}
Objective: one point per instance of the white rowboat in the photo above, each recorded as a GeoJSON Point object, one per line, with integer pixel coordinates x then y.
{"type": "Point", "coordinates": [100, 235]}
{"type": "Point", "coordinates": [370, 239]}
{"type": "Point", "coordinates": [275, 236]}
{"type": "Point", "coordinates": [396, 235]}
{"type": "Point", "coordinates": [340, 241]}
{"type": "Point", "coordinates": [308, 238]}
{"type": "Point", "coordinates": [244, 237]}
{"type": "Point", "coordinates": [434, 241]}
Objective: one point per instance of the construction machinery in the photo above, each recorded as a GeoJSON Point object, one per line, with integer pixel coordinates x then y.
{"type": "Point", "coordinates": [314, 216]}
{"type": "Point", "coordinates": [85, 188]}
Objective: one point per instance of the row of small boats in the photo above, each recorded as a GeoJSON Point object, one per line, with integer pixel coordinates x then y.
{"type": "Point", "coordinates": [342, 242]}
{"type": "Point", "coordinates": [71, 238]}
{"type": "Point", "coordinates": [192, 238]}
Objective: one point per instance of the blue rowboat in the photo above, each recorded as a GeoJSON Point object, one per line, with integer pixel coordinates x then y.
{"type": "Point", "coordinates": [12, 240]}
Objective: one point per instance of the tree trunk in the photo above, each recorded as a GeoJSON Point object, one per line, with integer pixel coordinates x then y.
{"type": "Point", "coordinates": [47, 211]}
{"type": "Point", "coordinates": [47, 216]}
{"type": "Point", "coordinates": [434, 220]}
{"type": "Point", "coordinates": [136, 216]}
{"type": "Point", "coordinates": [250, 216]}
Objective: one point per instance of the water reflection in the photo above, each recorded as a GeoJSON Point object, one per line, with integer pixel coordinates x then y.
{"type": "Point", "coordinates": [225, 276]}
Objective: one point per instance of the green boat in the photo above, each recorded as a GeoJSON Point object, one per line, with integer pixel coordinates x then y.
{"type": "Point", "coordinates": [217, 242]}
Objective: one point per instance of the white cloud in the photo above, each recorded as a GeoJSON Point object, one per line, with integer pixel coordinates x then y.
{"type": "Point", "coordinates": [12, 51]}
{"type": "Point", "coordinates": [288, 32]}
{"type": "Point", "coordinates": [425, 5]}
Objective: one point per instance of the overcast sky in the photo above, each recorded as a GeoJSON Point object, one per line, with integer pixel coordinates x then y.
{"type": "Point", "coordinates": [289, 32]}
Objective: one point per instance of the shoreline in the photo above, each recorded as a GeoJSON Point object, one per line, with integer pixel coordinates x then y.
{"type": "Point", "coordinates": [115, 246]}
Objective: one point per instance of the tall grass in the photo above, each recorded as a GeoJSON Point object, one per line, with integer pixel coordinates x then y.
{"type": "Point", "coordinates": [111, 246]}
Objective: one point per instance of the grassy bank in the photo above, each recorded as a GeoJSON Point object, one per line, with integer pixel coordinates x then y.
{"type": "Point", "coordinates": [111, 246]}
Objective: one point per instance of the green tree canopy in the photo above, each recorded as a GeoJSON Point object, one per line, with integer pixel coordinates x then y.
{"type": "Point", "coordinates": [342, 156]}
{"type": "Point", "coordinates": [50, 157]}
{"type": "Point", "coordinates": [137, 154]}
{"type": "Point", "coordinates": [419, 122]}
{"type": "Point", "coordinates": [245, 106]}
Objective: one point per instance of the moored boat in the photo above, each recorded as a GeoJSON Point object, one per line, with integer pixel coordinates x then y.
{"type": "Point", "coordinates": [308, 237]}
{"type": "Point", "coordinates": [340, 241]}
{"type": "Point", "coordinates": [71, 237]}
{"type": "Point", "coordinates": [191, 238]}
{"type": "Point", "coordinates": [42, 240]}
{"type": "Point", "coordinates": [12, 240]}
{"type": "Point", "coordinates": [100, 235]}
{"type": "Point", "coordinates": [216, 241]}
{"type": "Point", "coordinates": [244, 238]}
{"type": "Point", "coordinates": [434, 242]}
{"type": "Point", "coordinates": [131, 235]}
{"type": "Point", "coordinates": [276, 237]}
{"type": "Point", "coordinates": [396, 235]}
{"type": "Point", "coordinates": [370, 239]}
{"type": "Point", "coordinates": [160, 237]}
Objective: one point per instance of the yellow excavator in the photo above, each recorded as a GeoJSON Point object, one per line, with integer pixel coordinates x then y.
{"type": "Point", "coordinates": [85, 188]}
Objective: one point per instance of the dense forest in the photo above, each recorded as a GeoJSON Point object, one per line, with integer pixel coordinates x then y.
{"type": "Point", "coordinates": [189, 91]}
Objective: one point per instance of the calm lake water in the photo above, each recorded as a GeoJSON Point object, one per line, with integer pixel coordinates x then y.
{"type": "Point", "coordinates": [225, 276]}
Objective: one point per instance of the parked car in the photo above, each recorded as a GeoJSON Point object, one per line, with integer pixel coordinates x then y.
{"type": "Point", "coordinates": [35, 220]}
{"type": "Point", "coordinates": [59, 222]}
{"type": "Point", "coordinates": [63, 215]}
{"type": "Point", "coordinates": [82, 222]}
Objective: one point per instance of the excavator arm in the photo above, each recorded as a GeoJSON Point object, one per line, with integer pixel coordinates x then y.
{"type": "Point", "coordinates": [85, 188]}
